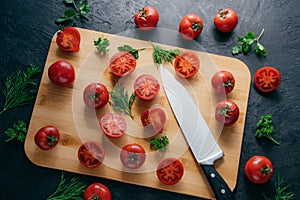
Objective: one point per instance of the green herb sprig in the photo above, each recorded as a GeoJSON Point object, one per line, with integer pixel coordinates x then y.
{"type": "Point", "coordinates": [265, 128]}
{"type": "Point", "coordinates": [18, 88]}
{"type": "Point", "coordinates": [120, 100]}
{"type": "Point", "coordinates": [160, 143]}
{"type": "Point", "coordinates": [246, 43]}
{"type": "Point", "coordinates": [18, 131]}
{"type": "Point", "coordinates": [131, 50]}
{"type": "Point", "coordinates": [74, 189]}
{"type": "Point", "coordinates": [162, 56]}
{"type": "Point", "coordinates": [102, 44]}
{"type": "Point", "coordinates": [281, 191]}
{"type": "Point", "coordinates": [71, 16]}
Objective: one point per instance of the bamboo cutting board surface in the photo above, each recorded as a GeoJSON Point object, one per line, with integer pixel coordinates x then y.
{"type": "Point", "coordinates": [63, 107]}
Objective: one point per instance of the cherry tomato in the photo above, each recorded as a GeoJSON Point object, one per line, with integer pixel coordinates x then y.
{"type": "Point", "coordinates": [113, 125]}
{"type": "Point", "coordinates": [259, 169]}
{"type": "Point", "coordinates": [146, 18]}
{"type": "Point", "coordinates": [47, 137]}
{"type": "Point", "coordinates": [226, 20]}
{"type": "Point", "coordinates": [61, 73]}
{"type": "Point", "coordinates": [122, 63]}
{"type": "Point", "coordinates": [133, 156]}
{"type": "Point", "coordinates": [223, 82]}
{"type": "Point", "coordinates": [154, 119]}
{"type": "Point", "coordinates": [95, 95]}
{"type": "Point", "coordinates": [97, 191]}
{"type": "Point", "coordinates": [227, 112]}
{"type": "Point", "coordinates": [146, 87]}
{"type": "Point", "coordinates": [68, 39]}
{"type": "Point", "coordinates": [91, 154]}
{"type": "Point", "coordinates": [267, 79]}
{"type": "Point", "coordinates": [170, 171]}
{"type": "Point", "coordinates": [186, 64]}
{"type": "Point", "coordinates": [191, 26]}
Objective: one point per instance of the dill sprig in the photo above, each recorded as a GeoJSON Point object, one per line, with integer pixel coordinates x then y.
{"type": "Point", "coordinates": [162, 56]}
{"type": "Point", "coordinates": [17, 90]}
{"type": "Point", "coordinates": [281, 191]}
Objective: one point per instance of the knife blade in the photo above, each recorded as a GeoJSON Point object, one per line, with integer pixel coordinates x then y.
{"type": "Point", "coordinates": [201, 141]}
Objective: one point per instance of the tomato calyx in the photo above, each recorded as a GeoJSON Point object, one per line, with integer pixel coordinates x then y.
{"type": "Point", "coordinates": [132, 157]}
{"type": "Point", "coordinates": [94, 96]}
{"type": "Point", "coordinates": [267, 170]}
{"type": "Point", "coordinates": [142, 14]}
{"type": "Point", "coordinates": [95, 197]}
{"type": "Point", "coordinates": [51, 139]}
{"type": "Point", "coordinates": [224, 111]}
{"type": "Point", "coordinates": [196, 26]}
{"type": "Point", "coordinates": [228, 84]}
{"type": "Point", "coordinates": [223, 12]}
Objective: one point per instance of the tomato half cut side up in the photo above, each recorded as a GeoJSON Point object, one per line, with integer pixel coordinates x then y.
{"type": "Point", "coordinates": [113, 125]}
{"type": "Point", "coordinates": [91, 154]}
{"type": "Point", "coordinates": [267, 79]}
{"type": "Point", "coordinates": [186, 64]}
{"type": "Point", "coordinates": [146, 87]}
{"type": "Point", "coordinates": [122, 63]}
{"type": "Point", "coordinates": [170, 171]}
{"type": "Point", "coordinates": [68, 39]}
{"type": "Point", "coordinates": [154, 119]}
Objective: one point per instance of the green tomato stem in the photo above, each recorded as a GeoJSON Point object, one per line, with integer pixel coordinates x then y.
{"type": "Point", "coordinates": [260, 35]}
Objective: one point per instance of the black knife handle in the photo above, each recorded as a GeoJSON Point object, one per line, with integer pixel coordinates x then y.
{"type": "Point", "coordinates": [220, 188]}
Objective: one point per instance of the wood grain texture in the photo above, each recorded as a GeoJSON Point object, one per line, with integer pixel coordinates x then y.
{"type": "Point", "coordinates": [63, 107]}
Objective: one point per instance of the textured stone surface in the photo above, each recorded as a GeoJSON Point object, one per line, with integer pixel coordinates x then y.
{"type": "Point", "coordinates": [27, 27]}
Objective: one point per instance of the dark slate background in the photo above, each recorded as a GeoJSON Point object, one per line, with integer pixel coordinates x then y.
{"type": "Point", "coordinates": [27, 27]}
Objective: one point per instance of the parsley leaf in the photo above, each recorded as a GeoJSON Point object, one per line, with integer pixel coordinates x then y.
{"type": "Point", "coordinates": [265, 128]}
{"type": "Point", "coordinates": [159, 143]}
{"type": "Point", "coordinates": [18, 132]}
{"type": "Point", "coordinates": [131, 50]}
{"type": "Point", "coordinates": [102, 44]}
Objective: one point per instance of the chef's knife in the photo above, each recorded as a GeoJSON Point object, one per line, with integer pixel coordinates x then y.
{"type": "Point", "coordinates": [200, 139]}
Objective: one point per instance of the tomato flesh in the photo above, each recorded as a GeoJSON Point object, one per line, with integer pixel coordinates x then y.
{"type": "Point", "coordinates": [170, 171]}
{"type": "Point", "coordinates": [146, 87]}
{"type": "Point", "coordinates": [113, 125]}
{"type": "Point", "coordinates": [122, 63]}
{"type": "Point", "coordinates": [97, 191]}
{"type": "Point", "coordinates": [154, 119]}
{"type": "Point", "coordinates": [186, 64]}
{"type": "Point", "coordinates": [68, 39]}
{"type": "Point", "coordinates": [133, 156]}
{"type": "Point", "coordinates": [91, 154]}
{"type": "Point", "coordinates": [267, 79]}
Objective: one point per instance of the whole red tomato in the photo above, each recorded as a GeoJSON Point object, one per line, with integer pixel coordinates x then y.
{"type": "Point", "coordinates": [226, 20]}
{"type": "Point", "coordinates": [227, 112]}
{"type": "Point", "coordinates": [122, 63]}
{"type": "Point", "coordinates": [191, 26]}
{"type": "Point", "coordinates": [47, 137]}
{"type": "Point", "coordinates": [170, 171]}
{"type": "Point", "coordinates": [146, 87]}
{"type": "Point", "coordinates": [133, 156]}
{"type": "Point", "coordinates": [186, 64]}
{"type": "Point", "coordinates": [68, 39]}
{"type": "Point", "coordinates": [113, 125]}
{"type": "Point", "coordinates": [267, 79]}
{"type": "Point", "coordinates": [95, 95]}
{"type": "Point", "coordinates": [154, 119]}
{"type": "Point", "coordinates": [146, 18]}
{"type": "Point", "coordinates": [223, 82]}
{"type": "Point", "coordinates": [91, 154]}
{"type": "Point", "coordinates": [97, 191]}
{"type": "Point", "coordinates": [259, 169]}
{"type": "Point", "coordinates": [61, 73]}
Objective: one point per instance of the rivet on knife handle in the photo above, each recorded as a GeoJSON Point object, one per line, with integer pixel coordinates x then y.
{"type": "Point", "coordinates": [220, 188]}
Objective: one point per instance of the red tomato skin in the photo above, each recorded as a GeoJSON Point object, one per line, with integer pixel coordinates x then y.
{"type": "Point", "coordinates": [170, 171]}
{"type": "Point", "coordinates": [61, 73]}
{"type": "Point", "coordinates": [191, 26]}
{"type": "Point", "coordinates": [146, 87]}
{"type": "Point", "coordinates": [47, 137]}
{"type": "Point", "coordinates": [112, 121]}
{"type": "Point", "coordinates": [146, 18]}
{"type": "Point", "coordinates": [122, 64]}
{"type": "Point", "coordinates": [259, 169]}
{"type": "Point", "coordinates": [267, 79]}
{"type": "Point", "coordinates": [91, 154]}
{"type": "Point", "coordinates": [227, 112]}
{"type": "Point", "coordinates": [97, 191]}
{"type": "Point", "coordinates": [186, 64]}
{"type": "Point", "coordinates": [223, 82]}
{"type": "Point", "coordinates": [95, 95]}
{"type": "Point", "coordinates": [154, 119]}
{"type": "Point", "coordinates": [132, 156]}
{"type": "Point", "coordinates": [226, 20]}
{"type": "Point", "coordinates": [68, 39]}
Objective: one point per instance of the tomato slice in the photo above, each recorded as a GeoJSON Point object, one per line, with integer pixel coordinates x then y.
{"type": "Point", "coordinates": [170, 171]}
{"type": "Point", "coordinates": [113, 125]}
{"type": "Point", "coordinates": [267, 79]}
{"type": "Point", "coordinates": [187, 64]}
{"type": "Point", "coordinates": [122, 63]}
{"type": "Point", "coordinates": [91, 154]}
{"type": "Point", "coordinates": [146, 87]}
{"type": "Point", "coordinates": [68, 39]}
{"type": "Point", "coordinates": [154, 119]}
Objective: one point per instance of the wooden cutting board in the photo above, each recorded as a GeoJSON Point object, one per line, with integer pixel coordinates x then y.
{"type": "Point", "coordinates": [63, 107]}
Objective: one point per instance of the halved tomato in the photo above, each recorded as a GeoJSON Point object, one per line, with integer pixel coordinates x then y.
{"type": "Point", "coordinates": [146, 87]}
{"type": "Point", "coordinates": [170, 171]}
{"type": "Point", "coordinates": [122, 63]}
{"type": "Point", "coordinates": [186, 64]}
{"type": "Point", "coordinates": [91, 154]}
{"type": "Point", "coordinates": [68, 39]}
{"type": "Point", "coordinates": [113, 125]}
{"type": "Point", "coordinates": [267, 79]}
{"type": "Point", "coordinates": [154, 119]}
